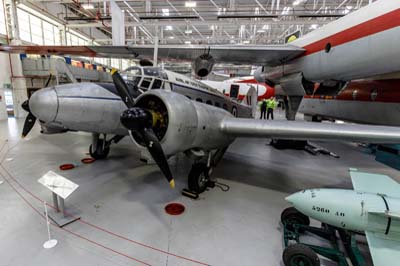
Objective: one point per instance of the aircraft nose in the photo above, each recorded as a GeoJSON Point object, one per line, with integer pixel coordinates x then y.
{"type": "Point", "coordinates": [44, 104]}
{"type": "Point", "coordinates": [301, 200]}
{"type": "Point", "coordinates": [295, 198]}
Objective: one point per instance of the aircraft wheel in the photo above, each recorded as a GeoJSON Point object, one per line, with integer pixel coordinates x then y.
{"type": "Point", "coordinates": [291, 216]}
{"type": "Point", "coordinates": [100, 152]}
{"type": "Point", "coordinates": [300, 255]}
{"type": "Point", "coordinates": [198, 177]}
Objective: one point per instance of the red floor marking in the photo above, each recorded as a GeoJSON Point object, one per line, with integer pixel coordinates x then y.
{"type": "Point", "coordinates": [174, 208]}
{"type": "Point", "coordinates": [100, 228]}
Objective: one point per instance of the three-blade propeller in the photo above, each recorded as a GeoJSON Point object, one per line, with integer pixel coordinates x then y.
{"type": "Point", "coordinates": [140, 121]}
{"type": "Point", "coordinates": [30, 119]}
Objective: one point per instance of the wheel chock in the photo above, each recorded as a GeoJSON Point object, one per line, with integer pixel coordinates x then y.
{"type": "Point", "coordinates": [189, 194]}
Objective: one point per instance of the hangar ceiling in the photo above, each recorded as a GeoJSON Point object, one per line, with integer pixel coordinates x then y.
{"type": "Point", "coordinates": [201, 21]}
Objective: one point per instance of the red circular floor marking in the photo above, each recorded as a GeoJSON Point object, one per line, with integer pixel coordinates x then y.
{"type": "Point", "coordinates": [88, 160]}
{"type": "Point", "coordinates": [67, 166]}
{"type": "Point", "coordinates": [174, 209]}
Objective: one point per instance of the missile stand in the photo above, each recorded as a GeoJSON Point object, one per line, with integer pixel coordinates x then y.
{"type": "Point", "coordinates": [297, 253]}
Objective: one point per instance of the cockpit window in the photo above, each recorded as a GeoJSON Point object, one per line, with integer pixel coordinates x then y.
{"type": "Point", "coordinates": [145, 83]}
{"type": "Point", "coordinates": [151, 71]}
{"type": "Point", "coordinates": [156, 84]}
{"type": "Point", "coordinates": [132, 76]}
{"type": "Point", "coordinates": [133, 71]}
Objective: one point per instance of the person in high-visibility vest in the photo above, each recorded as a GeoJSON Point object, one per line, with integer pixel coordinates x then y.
{"type": "Point", "coordinates": [271, 105]}
{"type": "Point", "coordinates": [263, 108]}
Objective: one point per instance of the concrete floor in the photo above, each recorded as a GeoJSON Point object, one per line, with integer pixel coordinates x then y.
{"type": "Point", "coordinates": [126, 197]}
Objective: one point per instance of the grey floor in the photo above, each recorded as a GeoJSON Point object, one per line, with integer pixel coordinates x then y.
{"type": "Point", "coordinates": [126, 197]}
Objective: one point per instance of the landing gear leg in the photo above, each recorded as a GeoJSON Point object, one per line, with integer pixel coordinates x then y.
{"type": "Point", "coordinates": [100, 147]}
{"type": "Point", "coordinates": [200, 173]}
{"type": "Point", "coordinates": [292, 104]}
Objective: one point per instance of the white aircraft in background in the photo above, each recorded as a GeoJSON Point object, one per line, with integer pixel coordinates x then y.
{"type": "Point", "coordinates": [238, 88]}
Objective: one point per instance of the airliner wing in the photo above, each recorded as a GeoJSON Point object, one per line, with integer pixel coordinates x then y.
{"type": "Point", "coordinates": [242, 127]}
{"type": "Point", "coordinates": [234, 54]}
{"type": "Point", "coordinates": [384, 251]}
{"type": "Point", "coordinates": [375, 183]}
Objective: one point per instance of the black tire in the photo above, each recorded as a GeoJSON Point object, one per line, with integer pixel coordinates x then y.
{"type": "Point", "coordinates": [99, 153]}
{"type": "Point", "coordinates": [300, 255]}
{"type": "Point", "coordinates": [198, 177]}
{"type": "Point", "coordinates": [291, 216]}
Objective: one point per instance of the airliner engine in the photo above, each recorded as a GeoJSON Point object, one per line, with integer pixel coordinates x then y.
{"type": "Point", "coordinates": [203, 65]}
{"type": "Point", "coordinates": [259, 75]}
{"type": "Point", "coordinates": [181, 124]}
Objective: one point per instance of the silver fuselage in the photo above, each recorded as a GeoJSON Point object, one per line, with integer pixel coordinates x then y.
{"type": "Point", "coordinates": [96, 107]}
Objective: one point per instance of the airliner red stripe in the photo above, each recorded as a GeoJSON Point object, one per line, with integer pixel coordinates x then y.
{"type": "Point", "coordinates": [385, 22]}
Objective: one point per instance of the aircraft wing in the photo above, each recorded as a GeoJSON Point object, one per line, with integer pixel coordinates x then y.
{"type": "Point", "coordinates": [375, 183]}
{"type": "Point", "coordinates": [384, 251]}
{"type": "Point", "coordinates": [235, 54]}
{"type": "Point", "coordinates": [301, 130]}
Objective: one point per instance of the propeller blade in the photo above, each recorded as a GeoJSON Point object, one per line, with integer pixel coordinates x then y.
{"type": "Point", "coordinates": [140, 121]}
{"type": "Point", "coordinates": [122, 88]}
{"type": "Point", "coordinates": [156, 151]}
{"type": "Point", "coordinates": [25, 106]}
{"type": "Point", "coordinates": [28, 125]}
{"type": "Point", "coordinates": [48, 81]}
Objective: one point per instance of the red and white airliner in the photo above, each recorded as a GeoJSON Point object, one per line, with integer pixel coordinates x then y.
{"type": "Point", "coordinates": [238, 87]}
{"type": "Point", "coordinates": [364, 101]}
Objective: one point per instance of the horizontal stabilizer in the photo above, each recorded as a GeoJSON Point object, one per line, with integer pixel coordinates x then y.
{"type": "Point", "coordinates": [384, 251]}
{"type": "Point", "coordinates": [375, 183]}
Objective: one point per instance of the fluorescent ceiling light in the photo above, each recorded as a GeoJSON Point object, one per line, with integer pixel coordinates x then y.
{"type": "Point", "coordinates": [168, 27]}
{"type": "Point", "coordinates": [87, 6]}
{"type": "Point", "coordinates": [171, 37]}
{"type": "Point", "coordinates": [314, 26]}
{"type": "Point", "coordinates": [246, 42]}
{"type": "Point", "coordinates": [260, 31]}
{"type": "Point", "coordinates": [165, 11]}
{"type": "Point", "coordinates": [188, 31]}
{"type": "Point", "coordinates": [188, 42]}
{"type": "Point", "coordinates": [190, 4]}
{"type": "Point", "coordinates": [298, 2]}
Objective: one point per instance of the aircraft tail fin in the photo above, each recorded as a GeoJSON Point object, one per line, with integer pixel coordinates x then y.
{"type": "Point", "coordinates": [374, 183]}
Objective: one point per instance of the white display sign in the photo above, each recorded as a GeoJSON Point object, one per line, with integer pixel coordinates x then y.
{"type": "Point", "coordinates": [58, 184]}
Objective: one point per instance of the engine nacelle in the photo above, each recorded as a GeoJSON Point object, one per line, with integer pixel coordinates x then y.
{"type": "Point", "coordinates": [183, 124]}
{"type": "Point", "coordinates": [259, 75]}
{"type": "Point", "coordinates": [203, 65]}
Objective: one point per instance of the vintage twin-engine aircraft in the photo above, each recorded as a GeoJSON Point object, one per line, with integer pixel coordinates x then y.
{"type": "Point", "coordinates": [362, 44]}
{"type": "Point", "coordinates": [167, 113]}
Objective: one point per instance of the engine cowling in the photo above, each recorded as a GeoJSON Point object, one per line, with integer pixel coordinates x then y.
{"type": "Point", "coordinates": [183, 124]}
{"type": "Point", "coordinates": [259, 75]}
{"type": "Point", "coordinates": [203, 65]}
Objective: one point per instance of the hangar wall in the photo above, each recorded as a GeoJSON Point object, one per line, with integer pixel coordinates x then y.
{"type": "Point", "coordinates": [4, 79]}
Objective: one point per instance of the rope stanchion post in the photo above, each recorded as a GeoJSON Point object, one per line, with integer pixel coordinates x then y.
{"type": "Point", "coordinates": [50, 243]}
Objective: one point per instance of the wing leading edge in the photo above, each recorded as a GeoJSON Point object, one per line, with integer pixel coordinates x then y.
{"type": "Point", "coordinates": [234, 54]}
{"type": "Point", "coordinates": [241, 127]}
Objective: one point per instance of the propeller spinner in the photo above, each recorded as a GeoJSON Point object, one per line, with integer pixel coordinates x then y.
{"type": "Point", "coordinates": [30, 119]}
{"type": "Point", "coordinates": [140, 121]}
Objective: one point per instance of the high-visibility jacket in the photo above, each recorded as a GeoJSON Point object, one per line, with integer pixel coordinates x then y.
{"type": "Point", "coordinates": [271, 104]}
{"type": "Point", "coordinates": [264, 104]}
